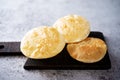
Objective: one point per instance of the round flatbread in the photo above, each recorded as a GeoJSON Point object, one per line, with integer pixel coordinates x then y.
{"type": "Point", "coordinates": [42, 42]}
{"type": "Point", "coordinates": [89, 50]}
{"type": "Point", "coordinates": [74, 28]}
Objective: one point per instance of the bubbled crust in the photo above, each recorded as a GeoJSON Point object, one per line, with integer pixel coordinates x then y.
{"type": "Point", "coordinates": [42, 42]}
{"type": "Point", "coordinates": [89, 50]}
{"type": "Point", "coordinates": [74, 28]}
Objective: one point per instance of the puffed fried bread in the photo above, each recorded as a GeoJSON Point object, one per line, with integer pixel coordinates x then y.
{"type": "Point", "coordinates": [74, 28]}
{"type": "Point", "coordinates": [42, 42]}
{"type": "Point", "coordinates": [89, 50]}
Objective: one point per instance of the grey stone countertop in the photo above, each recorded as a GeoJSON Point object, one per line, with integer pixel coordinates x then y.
{"type": "Point", "coordinates": [19, 16]}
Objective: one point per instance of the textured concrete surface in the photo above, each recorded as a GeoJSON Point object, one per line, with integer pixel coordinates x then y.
{"type": "Point", "coordinates": [19, 16]}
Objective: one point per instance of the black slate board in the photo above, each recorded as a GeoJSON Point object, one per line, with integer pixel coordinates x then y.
{"type": "Point", "coordinates": [64, 62]}
{"type": "Point", "coordinates": [10, 48]}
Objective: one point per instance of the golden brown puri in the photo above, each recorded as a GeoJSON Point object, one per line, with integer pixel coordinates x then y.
{"type": "Point", "coordinates": [42, 42]}
{"type": "Point", "coordinates": [74, 28]}
{"type": "Point", "coordinates": [89, 50]}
